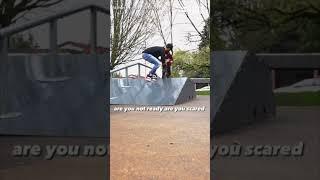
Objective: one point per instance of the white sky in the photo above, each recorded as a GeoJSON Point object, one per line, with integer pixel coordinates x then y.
{"type": "Point", "coordinates": [182, 26]}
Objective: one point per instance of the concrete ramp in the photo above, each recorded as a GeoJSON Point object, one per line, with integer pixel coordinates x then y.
{"type": "Point", "coordinates": [161, 92]}
{"type": "Point", "coordinates": [225, 71]}
{"type": "Point", "coordinates": [73, 106]}
{"type": "Point", "coordinates": [241, 92]}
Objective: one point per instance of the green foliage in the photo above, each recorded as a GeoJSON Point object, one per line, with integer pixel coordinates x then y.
{"type": "Point", "coordinates": [191, 64]}
{"type": "Point", "coordinates": [298, 99]}
{"type": "Point", "coordinates": [265, 26]}
{"type": "Point", "coordinates": [203, 93]}
{"type": "Point", "coordinates": [205, 39]}
{"type": "Point", "coordinates": [116, 75]}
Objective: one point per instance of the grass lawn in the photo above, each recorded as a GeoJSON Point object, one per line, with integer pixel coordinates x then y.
{"type": "Point", "coordinates": [289, 99]}
{"type": "Point", "coordinates": [298, 99]}
{"type": "Point", "coordinates": [203, 93]}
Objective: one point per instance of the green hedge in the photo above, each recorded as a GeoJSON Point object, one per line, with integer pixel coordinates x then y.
{"type": "Point", "coordinates": [203, 93]}
{"type": "Point", "coordinates": [298, 99]}
{"type": "Point", "coordinates": [289, 99]}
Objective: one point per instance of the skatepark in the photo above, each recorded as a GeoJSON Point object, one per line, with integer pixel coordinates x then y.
{"type": "Point", "coordinates": [244, 112]}
{"type": "Point", "coordinates": [46, 101]}
{"type": "Point", "coordinates": [54, 98]}
{"type": "Point", "coordinates": [157, 129]}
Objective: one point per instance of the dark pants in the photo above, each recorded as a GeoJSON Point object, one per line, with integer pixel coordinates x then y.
{"type": "Point", "coordinates": [166, 70]}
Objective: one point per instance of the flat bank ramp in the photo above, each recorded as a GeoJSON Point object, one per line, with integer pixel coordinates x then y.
{"type": "Point", "coordinates": [241, 92]}
{"type": "Point", "coordinates": [169, 91]}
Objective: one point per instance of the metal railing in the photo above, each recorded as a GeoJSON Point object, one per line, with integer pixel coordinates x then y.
{"type": "Point", "coordinates": [195, 81]}
{"type": "Point", "coordinates": [6, 32]}
{"type": "Point", "coordinates": [126, 68]}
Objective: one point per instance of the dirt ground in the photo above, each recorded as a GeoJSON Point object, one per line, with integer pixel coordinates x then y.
{"type": "Point", "coordinates": [175, 146]}
{"type": "Point", "coordinates": [62, 168]}
{"type": "Point", "coordinates": [161, 145]}
{"type": "Point", "coordinates": [292, 125]}
{"type": "Point", "coordinates": [144, 145]}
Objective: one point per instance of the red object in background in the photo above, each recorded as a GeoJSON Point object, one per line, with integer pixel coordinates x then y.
{"type": "Point", "coordinates": [166, 72]}
{"type": "Point", "coordinates": [169, 56]}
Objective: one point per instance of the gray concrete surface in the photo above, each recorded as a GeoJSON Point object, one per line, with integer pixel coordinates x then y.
{"type": "Point", "coordinates": [225, 66]}
{"type": "Point", "coordinates": [63, 95]}
{"type": "Point", "coordinates": [169, 91]}
{"type": "Point", "coordinates": [291, 61]}
{"type": "Point", "coordinates": [241, 90]}
{"type": "Point", "coordinates": [161, 145]}
{"type": "Point", "coordinates": [62, 168]}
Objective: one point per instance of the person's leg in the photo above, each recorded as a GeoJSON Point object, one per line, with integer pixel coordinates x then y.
{"type": "Point", "coordinates": [168, 70]}
{"type": "Point", "coordinates": [164, 69]}
{"type": "Point", "coordinates": [153, 60]}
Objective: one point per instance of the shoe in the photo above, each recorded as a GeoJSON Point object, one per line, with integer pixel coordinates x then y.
{"type": "Point", "coordinates": [154, 77]}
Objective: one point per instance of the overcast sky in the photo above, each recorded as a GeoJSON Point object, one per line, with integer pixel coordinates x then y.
{"type": "Point", "coordinates": [182, 26]}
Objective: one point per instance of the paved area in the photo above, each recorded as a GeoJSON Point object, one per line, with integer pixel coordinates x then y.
{"type": "Point", "coordinates": [292, 125]}
{"type": "Point", "coordinates": [62, 168]}
{"type": "Point", "coordinates": [161, 145]}
{"type": "Point", "coordinates": [153, 145]}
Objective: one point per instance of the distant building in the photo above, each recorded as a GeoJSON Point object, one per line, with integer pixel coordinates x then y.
{"type": "Point", "coordinates": [68, 47]}
{"type": "Point", "coordinates": [286, 77]}
{"type": "Point", "coordinates": [287, 69]}
{"type": "Point", "coordinates": [76, 47]}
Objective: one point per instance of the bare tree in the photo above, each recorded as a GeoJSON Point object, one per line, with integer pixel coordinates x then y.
{"type": "Point", "coordinates": [162, 13]}
{"type": "Point", "coordinates": [13, 10]}
{"type": "Point", "coordinates": [157, 18]}
{"type": "Point", "coordinates": [132, 25]}
{"type": "Point", "coordinates": [201, 4]}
